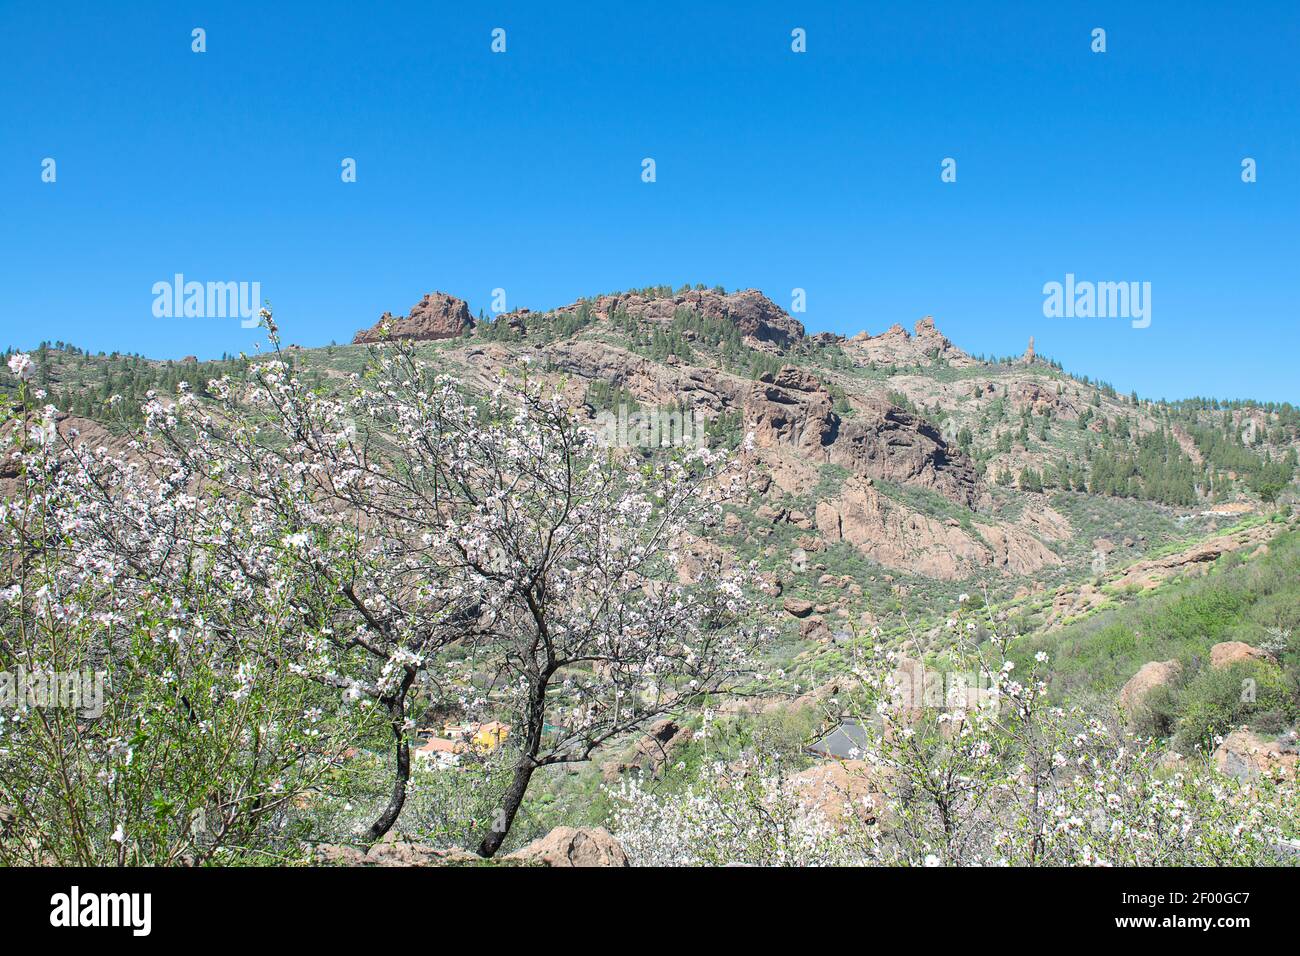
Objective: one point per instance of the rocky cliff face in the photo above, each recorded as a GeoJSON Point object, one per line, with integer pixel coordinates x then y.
{"type": "Point", "coordinates": [884, 441]}
{"type": "Point", "coordinates": [650, 382]}
{"type": "Point", "coordinates": [794, 410]}
{"type": "Point", "coordinates": [899, 538]}
{"type": "Point", "coordinates": [824, 406]}
{"type": "Point", "coordinates": [436, 316]}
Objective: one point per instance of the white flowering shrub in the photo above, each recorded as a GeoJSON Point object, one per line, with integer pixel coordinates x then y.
{"type": "Point", "coordinates": [201, 741]}
{"type": "Point", "coordinates": [1000, 778]}
{"type": "Point", "coordinates": [743, 812]}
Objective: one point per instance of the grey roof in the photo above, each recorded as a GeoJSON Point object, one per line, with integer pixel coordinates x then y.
{"type": "Point", "coordinates": [847, 740]}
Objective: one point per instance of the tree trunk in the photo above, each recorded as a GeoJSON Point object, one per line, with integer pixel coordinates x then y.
{"type": "Point", "coordinates": [535, 720]}
{"type": "Point", "coordinates": [514, 796]}
{"type": "Point", "coordinates": [397, 721]}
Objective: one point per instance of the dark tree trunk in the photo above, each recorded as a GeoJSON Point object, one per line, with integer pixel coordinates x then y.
{"type": "Point", "coordinates": [397, 721]}
{"type": "Point", "coordinates": [534, 720]}
{"type": "Point", "coordinates": [510, 803]}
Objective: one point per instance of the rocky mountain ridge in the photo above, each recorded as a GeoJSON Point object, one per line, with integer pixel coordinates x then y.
{"type": "Point", "coordinates": [763, 323]}
{"type": "Point", "coordinates": [930, 464]}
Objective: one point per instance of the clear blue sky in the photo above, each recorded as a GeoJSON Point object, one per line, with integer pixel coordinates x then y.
{"type": "Point", "coordinates": [775, 170]}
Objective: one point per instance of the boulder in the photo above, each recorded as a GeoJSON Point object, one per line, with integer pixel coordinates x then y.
{"type": "Point", "coordinates": [809, 542]}
{"type": "Point", "coordinates": [797, 606]}
{"type": "Point", "coordinates": [391, 852]}
{"type": "Point", "coordinates": [1150, 675]}
{"type": "Point", "coordinates": [799, 519]}
{"type": "Point", "coordinates": [1230, 652]}
{"type": "Point", "coordinates": [814, 629]}
{"type": "Point", "coordinates": [839, 791]}
{"type": "Point", "coordinates": [569, 846]}
{"type": "Point", "coordinates": [1247, 756]}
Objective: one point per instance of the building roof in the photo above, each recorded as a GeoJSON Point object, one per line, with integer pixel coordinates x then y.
{"type": "Point", "coordinates": [439, 745]}
{"type": "Point", "coordinates": [845, 741]}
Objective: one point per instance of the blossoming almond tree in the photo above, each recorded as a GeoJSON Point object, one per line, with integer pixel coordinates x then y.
{"type": "Point", "coordinates": [992, 772]}
{"type": "Point", "coordinates": [589, 631]}
{"type": "Point", "coordinates": [568, 551]}
{"type": "Point", "coordinates": [400, 518]}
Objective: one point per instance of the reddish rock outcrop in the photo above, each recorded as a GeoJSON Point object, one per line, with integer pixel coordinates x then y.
{"type": "Point", "coordinates": [884, 441]}
{"type": "Point", "coordinates": [839, 791]}
{"type": "Point", "coordinates": [1195, 559]}
{"type": "Point", "coordinates": [797, 607]}
{"type": "Point", "coordinates": [1247, 756]}
{"type": "Point", "coordinates": [792, 409]}
{"type": "Point", "coordinates": [392, 852]}
{"type": "Point", "coordinates": [903, 539]}
{"type": "Point", "coordinates": [1230, 652]}
{"type": "Point", "coordinates": [436, 316]}
{"type": "Point", "coordinates": [1149, 676]}
{"type": "Point", "coordinates": [895, 346]}
{"type": "Point", "coordinates": [567, 846]}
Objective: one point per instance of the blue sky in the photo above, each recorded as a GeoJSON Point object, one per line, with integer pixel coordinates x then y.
{"type": "Point", "coordinates": [775, 170]}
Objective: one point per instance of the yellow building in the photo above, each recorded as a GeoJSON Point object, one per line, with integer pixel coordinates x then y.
{"type": "Point", "coordinates": [488, 737]}
{"type": "Point", "coordinates": [485, 737]}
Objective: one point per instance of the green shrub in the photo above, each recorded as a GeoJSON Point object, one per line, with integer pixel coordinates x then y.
{"type": "Point", "coordinates": [1158, 713]}
{"type": "Point", "coordinates": [1215, 701]}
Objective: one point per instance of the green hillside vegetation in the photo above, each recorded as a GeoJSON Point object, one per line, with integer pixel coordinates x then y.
{"type": "Point", "coordinates": [1253, 600]}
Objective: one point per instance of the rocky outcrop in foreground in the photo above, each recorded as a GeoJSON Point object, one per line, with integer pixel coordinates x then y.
{"type": "Point", "coordinates": [1231, 652]}
{"type": "Point", "coordinates": [1248, 756]}
{"type": "Point", "coordinates": [839, 791]}
{"type": "Point", "coordinates": [391, 853]}
{"type": "Point", "coordinates": [563, 846]}
{"type": "Point", "coordinates": [436, 316]}
{"type": "Point", "coordinates": [567, 846]}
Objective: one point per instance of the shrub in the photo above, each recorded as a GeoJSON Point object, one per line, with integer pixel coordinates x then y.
{"type": "Point", "coordinates": [1215, 701]}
